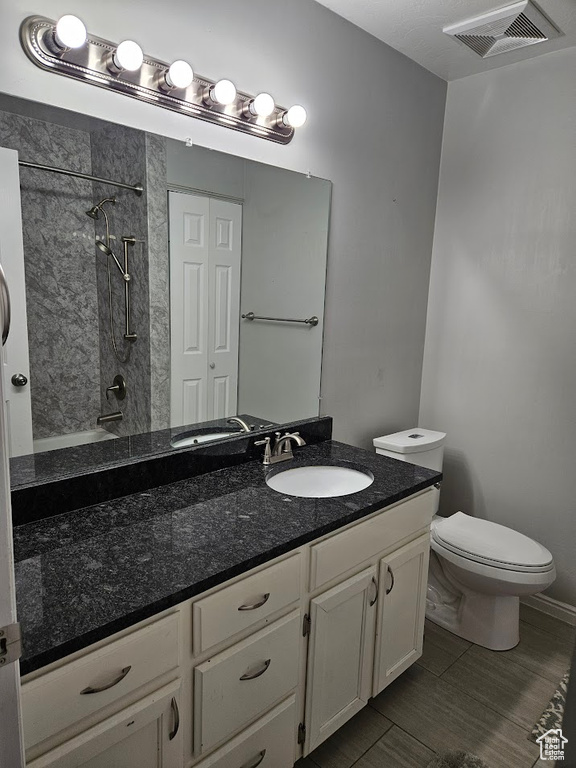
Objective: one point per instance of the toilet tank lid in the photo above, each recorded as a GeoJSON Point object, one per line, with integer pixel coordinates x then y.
{"type": "Point", "coordinates": [411, 440]}
{"type": "Point", "coordinates": [490, 541]}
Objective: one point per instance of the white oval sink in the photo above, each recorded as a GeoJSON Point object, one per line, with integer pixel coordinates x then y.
{"type": "Point", "coordinates": [319, 482]}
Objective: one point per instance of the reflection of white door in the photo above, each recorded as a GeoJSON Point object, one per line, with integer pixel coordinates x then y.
{"type": "Point", "coordinates": [11, 750]}
{"type": "Point", "coordinates": [15, 357]}
{"type": "Point", "coordinates": [205, 251]}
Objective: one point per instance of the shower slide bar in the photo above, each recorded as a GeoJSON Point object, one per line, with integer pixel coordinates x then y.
{"type": "Point", "coordinates": [309, 321]}
{"type": "Point", "coordinates": [136, 188]}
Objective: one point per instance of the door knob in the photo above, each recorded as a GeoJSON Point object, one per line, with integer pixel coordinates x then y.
{"type": "Point", "coordinates": [212, 365]}
{"type": "Point", "coordinates": [19, 380]}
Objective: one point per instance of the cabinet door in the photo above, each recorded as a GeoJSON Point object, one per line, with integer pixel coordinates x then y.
{"type": "Point", "coordinates": [340, 655]}
{"type": "Point", "coordinates": [401, 610]}
{"type": "Point", "coordinates": [145, 735]}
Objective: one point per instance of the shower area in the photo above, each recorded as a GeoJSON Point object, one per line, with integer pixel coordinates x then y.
{"type": "Point", "coordinates": [89, 255]}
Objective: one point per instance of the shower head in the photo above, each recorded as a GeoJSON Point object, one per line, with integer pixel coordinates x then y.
{"type": "Point", "coordinates": [109, 252]}
{"type": "Point", "coordinates": [94, 212]}
{"type": "Point", "coordinates": [103, 247]}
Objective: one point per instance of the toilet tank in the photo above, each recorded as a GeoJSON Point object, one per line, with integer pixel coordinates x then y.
{"type": "Point", "coordinates": [423, 447]}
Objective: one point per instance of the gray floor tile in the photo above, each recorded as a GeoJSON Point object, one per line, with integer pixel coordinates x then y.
{"type": "Point", "coordinates": [396, 749]}
{"type": "Point", "coordinates": [501, 684]}
{"type": "Point", "coordinates": [541, 652]}
{"type": "Point", "coordinates": [441, 648]}
{"type": "Point", "coordinates": [446, 719]}
{"type": "Point", "coordinates": [548, 623]}
{"type": "Point", "coordinates": [352, 740]}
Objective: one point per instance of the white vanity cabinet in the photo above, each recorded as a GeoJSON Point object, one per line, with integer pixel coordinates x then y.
{"type": "Point", "coordinates": [255, 672]}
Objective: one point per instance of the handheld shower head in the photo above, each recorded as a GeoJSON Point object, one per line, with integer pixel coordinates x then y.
{"type": "Point", "coordinates": [109, 252]}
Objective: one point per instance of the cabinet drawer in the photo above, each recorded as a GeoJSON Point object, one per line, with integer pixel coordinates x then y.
{"type": "Point", "coordinates": [235, 686]}
{"type": "Point", "coordinates": [135, 736]}
{"type": "Point", "coordinates": [343, 551]}
{"type": "Point", "coordinates": [269, 743]}
{"type": "Point", "coordinates": [234, 608]}
{"type": "Point", "coordinates": [56, 700]}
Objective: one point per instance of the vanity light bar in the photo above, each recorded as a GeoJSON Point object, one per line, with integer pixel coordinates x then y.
{"type": "Point", "coordinates": [66, 48]}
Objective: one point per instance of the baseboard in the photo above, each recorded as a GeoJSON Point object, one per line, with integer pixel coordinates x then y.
{"type": "Point", "coordinates": [548, 605]}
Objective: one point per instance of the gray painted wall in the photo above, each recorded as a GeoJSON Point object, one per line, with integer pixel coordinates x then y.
{"type": "Point", "coordinates": [375, 125]}
{"type": "Point", "coordinates": [500, 363]}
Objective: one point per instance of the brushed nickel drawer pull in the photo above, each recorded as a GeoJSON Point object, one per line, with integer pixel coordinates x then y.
{"type": "Point", "coordinates": [257, 674]}
{"type": "Point", "coordinates": [256, 763]}
{"type": "Point", "coordinates": [119, 679]}
{"type": "Point", "coordinates": [391, 587]}
{"type": "Point", "coordinates": [255, 605]}
{"type": "Point", "coordinates": [372, 602]}
{"type": "Point", "coordinates": [176, 713]}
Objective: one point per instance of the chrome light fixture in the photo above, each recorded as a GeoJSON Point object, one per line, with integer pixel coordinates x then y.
{"type": "Point", "coordinates": [65, 47]}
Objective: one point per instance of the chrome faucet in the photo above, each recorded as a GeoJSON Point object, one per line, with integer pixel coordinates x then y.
{"type": "Point", "coordinates": [282, 450]}
{"type": "Point", "coordinates": [241, 423]}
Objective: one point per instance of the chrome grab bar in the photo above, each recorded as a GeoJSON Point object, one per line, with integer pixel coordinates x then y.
{"type": "Point", "coordinates": [309, 321]}
{"type": "Point", "coordinates": [4, 306]}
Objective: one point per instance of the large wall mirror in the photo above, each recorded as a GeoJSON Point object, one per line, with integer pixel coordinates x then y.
{"type": "Point", "coordinates": [211, 239]}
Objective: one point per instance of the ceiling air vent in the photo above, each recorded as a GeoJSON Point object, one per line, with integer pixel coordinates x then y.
{"type": "Point", "coordinates": [506, 29]}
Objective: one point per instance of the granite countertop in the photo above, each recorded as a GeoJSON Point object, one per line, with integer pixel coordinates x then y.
{"type": "Point", "coordinates": [86, 574]}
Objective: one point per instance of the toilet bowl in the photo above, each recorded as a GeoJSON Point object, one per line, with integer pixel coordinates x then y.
{"type": "Point", "coordinates": [478, 572]}
{"type": "Point", "coordinates": [478, 569]}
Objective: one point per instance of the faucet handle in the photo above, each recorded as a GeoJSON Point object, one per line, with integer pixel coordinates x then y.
{"type": "Point", "coordinates": [267, 449]}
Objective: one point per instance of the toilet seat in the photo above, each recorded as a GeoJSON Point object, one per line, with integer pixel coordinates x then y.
{"type": "Point", "coordinates": [490, 544]}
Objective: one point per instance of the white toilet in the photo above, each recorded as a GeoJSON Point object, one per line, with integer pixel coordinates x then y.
{"type": "Point", "coordinates": [478, 569]}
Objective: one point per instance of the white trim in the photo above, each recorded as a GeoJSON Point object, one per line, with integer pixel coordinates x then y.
{"type": "Point", "coordinates": [551, 607]}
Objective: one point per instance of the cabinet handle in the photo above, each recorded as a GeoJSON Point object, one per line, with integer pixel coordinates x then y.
{"type": "Point", "coordinates": [176, 713]}
{"type": "Point", "coordinates": [255, 605]}
{"type": "Point", "coordinates": [4, 306]}
{"type": "Point", "coordinates": [372, 602]}
{"type": "Point", "coordinates": [256, 763]}
{"type": "Point", "coordinates": [260, 671]}
{"type": "Point", "coordinates": [119, 679]}
{"type": "Point", "coordinates": [391, 587]}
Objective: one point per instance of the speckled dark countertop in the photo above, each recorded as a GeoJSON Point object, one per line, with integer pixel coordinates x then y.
{"type": "Point", "coordinates": [85, 574]}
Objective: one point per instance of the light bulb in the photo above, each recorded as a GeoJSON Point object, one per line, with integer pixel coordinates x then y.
{"type": "Point", "coordinates": [179, 75]}
{"type": "Point", "coordinates": [295, 116]}
{"type": "Point", "coordinates": [128, 56]}
{"type": "Point", "coordinates": [263, 105]}
{"type": "Point", "coordinates": [224, 92]}
{"type": "Point", "coordinates": [70, 32]}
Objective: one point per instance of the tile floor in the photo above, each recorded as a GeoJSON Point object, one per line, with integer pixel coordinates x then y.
{"type": "Point", "coordinates": [458, 696]}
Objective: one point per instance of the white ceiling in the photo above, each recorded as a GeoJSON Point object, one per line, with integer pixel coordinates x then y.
{"type": "Point", "coordinates": [414, 27]}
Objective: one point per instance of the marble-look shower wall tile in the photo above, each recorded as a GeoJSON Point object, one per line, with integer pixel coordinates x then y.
{"type": "Point", "coordinates": [60, 274]}
{"type": "Point", "coordinates": [119, 153]}
{"type": "Point", "coordinates": [156, 186]}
